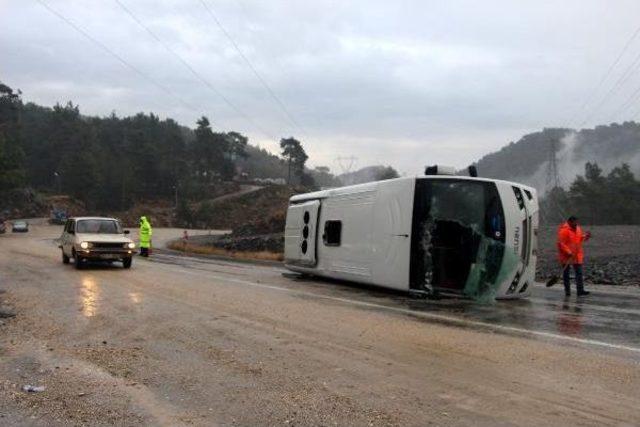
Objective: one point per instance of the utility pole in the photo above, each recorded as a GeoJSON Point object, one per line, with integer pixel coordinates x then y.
{"type": "Point", "coordinates": [57, 178]}
{"type": "Point", "coordinates": [552, 184]}
{"type": "Point", "coordinates": [553, 179]}
{"type": "Point", "coordinates": [122, 194]}
{"type": "Point", "coordinates": [175, 189]}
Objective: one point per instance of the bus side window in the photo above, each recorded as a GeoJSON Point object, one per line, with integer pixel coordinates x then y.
{"type": "Point", "coordinates": [332, 233]}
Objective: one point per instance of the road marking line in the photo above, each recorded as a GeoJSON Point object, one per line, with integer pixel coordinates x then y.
{"type": "Point", "coordinates": [430, 316]}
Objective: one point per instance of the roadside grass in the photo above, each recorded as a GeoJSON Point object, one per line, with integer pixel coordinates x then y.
{"type": "Point", "coordinates": [212, 250]}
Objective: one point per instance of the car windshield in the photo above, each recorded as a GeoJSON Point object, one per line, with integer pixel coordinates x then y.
{"type": "Point", "coordinates": [99, 226]}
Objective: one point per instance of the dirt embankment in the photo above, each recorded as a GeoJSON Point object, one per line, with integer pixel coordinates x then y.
{"type": "Point", "coordinates": [22, 203]}
{"type": "Point", "coordinates": [257, 220]}
{"type": "Point", "coordinates": [162, 212]}
{"type": "Point", "coordinates": [612, 256]}
{"type": "Point", "coordinates": [27, 203]}
{"type": "Point", "coordinates": [251, 209]}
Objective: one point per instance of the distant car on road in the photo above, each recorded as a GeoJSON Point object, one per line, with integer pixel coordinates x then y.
{"type": "Point", "coordinates": [95, 239]}
{"type": "Point", "coordinates": [58, 217]}
{"type": "Point", "coordinates": [20, 227]}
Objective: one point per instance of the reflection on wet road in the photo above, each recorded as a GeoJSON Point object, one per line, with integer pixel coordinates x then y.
{"type": "Point", "coordinates": [570, 320]}
{"type": "Point", "coordinates": [89, 294]}
{"type": "Point", "coordinates": [136, 297]}
{"type": "Point", "coordinates": [608, 317]}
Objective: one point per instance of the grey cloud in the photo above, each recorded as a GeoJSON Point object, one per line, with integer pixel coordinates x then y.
{"type": "Point", "coordinates": [407, 83]}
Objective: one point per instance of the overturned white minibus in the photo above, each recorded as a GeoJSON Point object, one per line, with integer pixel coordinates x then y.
{"type": "Point", "coordinates": [432, 234]}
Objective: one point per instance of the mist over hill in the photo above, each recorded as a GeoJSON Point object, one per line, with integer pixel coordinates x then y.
{"type": "Point", "coordinates": [528, 159]}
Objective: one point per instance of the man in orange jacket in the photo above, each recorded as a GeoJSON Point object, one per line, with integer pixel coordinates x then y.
{"type": "Point", "coordinates": [570, 253]}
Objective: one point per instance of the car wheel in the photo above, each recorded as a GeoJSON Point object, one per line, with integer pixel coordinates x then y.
{"type": "Point", "coordinates": [78, 260]}
{"type": "Point", "coordinates": [65, 259]}
{"type": "Point", "coordinates": [126, 262]}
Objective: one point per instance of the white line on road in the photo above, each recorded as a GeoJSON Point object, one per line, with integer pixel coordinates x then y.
{"type": "Point", "coordinates": [430, 316]}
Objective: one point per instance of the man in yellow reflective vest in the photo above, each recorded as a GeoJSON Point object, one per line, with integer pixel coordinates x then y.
{"type": "Point", "coordinates": [145, 236]}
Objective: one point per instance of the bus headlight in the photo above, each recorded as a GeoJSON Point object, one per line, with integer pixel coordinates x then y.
{"type": "Point", "coordinates": [85, 245]}
{"type": "Point", "coordinates": [131, 245]}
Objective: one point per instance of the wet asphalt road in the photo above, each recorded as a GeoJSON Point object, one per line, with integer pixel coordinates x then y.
{"type": "Point", "coordinates": [607, 318]}
{"type": "Point", "coordinates": [180, 340]}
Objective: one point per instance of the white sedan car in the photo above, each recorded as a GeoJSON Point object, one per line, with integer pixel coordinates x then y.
{"type": "Point", "coordinates": [20, 226]}
{"type": "Point", "coordinates": [97, 239]}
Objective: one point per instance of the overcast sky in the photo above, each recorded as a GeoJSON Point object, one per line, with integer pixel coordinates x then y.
{"type": "Point", "coordinates": [406, 83]}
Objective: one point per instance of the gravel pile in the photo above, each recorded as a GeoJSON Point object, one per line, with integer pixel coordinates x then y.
{"type": "Point", "coordinates": [262, 226]}
{"type": "Point", "coordinates": [266, 242]}
{"type": "Point", "coordinates": [612, 256]}
{"type": "Point", "coordinates": [262, 235]}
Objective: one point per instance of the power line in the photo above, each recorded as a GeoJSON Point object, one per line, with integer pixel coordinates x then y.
{"type": "Point", "coordinates": [624, 77]}
{"type": "Point", "coordinates": [274, 60]}
{"type": "Point", "coordinates": [277, 100]}
{"type": "Point", "coordinates": [635, 114]}
{"type": "Point", "coordinates": [193, 71]}
{"type": "Point", "coordinates": [630, 72]}
{"type": "Point", "coordinates": [629, 102]}
{"type": "Point", "coordinates": [633, 98]}
{"type": "Point", "coordinates": [116, 56]}
{"type": "Point", "coordinates": [609, 71]}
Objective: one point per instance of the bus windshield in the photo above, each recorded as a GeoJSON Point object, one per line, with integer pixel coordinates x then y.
{"type": "Point", "coordinates": [458, 225]}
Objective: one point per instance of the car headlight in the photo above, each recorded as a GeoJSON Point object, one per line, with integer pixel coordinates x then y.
{"type": "Point", "coordinates": [84, 245]}
{"type": "Point", "coordinates": [131, 245]}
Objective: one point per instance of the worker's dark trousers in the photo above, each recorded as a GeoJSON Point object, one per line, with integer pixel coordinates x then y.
{"type": "Point", "coordinates": [144, 251]}
{"type": "Point", "coordinates": [566, 276]}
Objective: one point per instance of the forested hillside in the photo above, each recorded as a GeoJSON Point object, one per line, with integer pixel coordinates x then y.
{"type": "Point", "coordinates": [596, 198]}
{"type": "Point", "coordinates": [522, 158]}
{"type": "Point", "coordinates": [527, 160]}
{"type": "Point", "coordinates": [596, 172]}
{"type": "Point", "coordinates": [111, 162]}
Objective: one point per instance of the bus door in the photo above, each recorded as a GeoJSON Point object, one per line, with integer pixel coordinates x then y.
{"type": "Point", "coordinates": [300, 233]}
